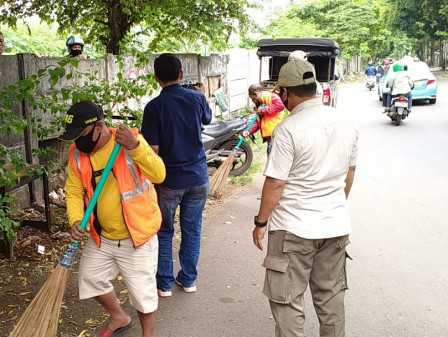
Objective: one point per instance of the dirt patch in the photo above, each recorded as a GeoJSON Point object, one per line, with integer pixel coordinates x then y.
{"type": "Point", "coordinates": [23, 276]}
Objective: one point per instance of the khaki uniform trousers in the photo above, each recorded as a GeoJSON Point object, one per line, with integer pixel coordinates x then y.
{"type": "Point", "coordinates": [293, 262]}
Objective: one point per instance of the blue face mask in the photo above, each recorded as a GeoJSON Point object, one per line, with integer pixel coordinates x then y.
{"type": "Point", "coordinates": [85, 143]}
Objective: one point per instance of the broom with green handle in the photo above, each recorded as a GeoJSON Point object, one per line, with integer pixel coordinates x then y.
{"type": "Point", "coordinates": [40, 319]}
{"type": "Point", "coordinates": [219, 179]}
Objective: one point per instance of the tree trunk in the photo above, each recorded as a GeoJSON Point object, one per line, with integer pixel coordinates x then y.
{"type": "Point", "coordinates": [119, 24]}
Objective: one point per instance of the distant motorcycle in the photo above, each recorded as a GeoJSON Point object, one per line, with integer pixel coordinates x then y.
{"type": "Point", "coordinates": [220, 138]}
{"type": "Point", "coordinates": [399, 109]}
{"type": "Point", "coordinates": [370, 82]}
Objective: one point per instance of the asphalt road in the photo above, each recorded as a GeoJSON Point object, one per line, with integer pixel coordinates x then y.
{"type": "Point", "coordinates": [398, 279]}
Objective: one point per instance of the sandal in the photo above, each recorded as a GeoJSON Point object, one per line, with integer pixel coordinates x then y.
{"type": "Point", "coordinates": [106, 332]}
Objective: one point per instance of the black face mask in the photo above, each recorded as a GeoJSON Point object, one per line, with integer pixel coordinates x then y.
{"type": "Point", "coordinates": [75, 52]}
{"type": "Point", "coordinates": [85, 143]}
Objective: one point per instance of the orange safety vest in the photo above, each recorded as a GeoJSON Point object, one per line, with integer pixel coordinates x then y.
{"type": "Point", "coordinates": [269, 122]}
{"type": "Point", "coordinates": [140, 209]}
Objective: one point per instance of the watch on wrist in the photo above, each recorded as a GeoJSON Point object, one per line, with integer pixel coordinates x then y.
{"type": "Point", "coordinates": [258, 223]}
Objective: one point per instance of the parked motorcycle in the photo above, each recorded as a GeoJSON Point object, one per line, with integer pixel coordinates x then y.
{"type": "Point", "coordinates": [370, 82]}
{"type": "Point", "coordinates": [399, 109]}
{"type": "Point", "coordinates": [221, 137]}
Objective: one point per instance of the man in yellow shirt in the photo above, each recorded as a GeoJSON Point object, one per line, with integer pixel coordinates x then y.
{"type": "Point", "coordinates": [123, 226]}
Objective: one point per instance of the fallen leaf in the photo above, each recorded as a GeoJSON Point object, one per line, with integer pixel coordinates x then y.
{"type": "Point", "coordinates": [92, 323]}
{"type": "Point", "coordinates": [82, 333]}
{"type": "Point", "coordinates": [24, 293]}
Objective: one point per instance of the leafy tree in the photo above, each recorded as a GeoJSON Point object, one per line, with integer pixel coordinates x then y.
{"type": "Point", "coordinates": [109, 22]}
{"type": "Point", "coordinates": [37, 39]}
{"type": "Point", "coordinates": [407, 17]}
{"type": "Point", "coordinates": [425, 20]}
{"type": "Point", "coordinates": [359, 26]}
{"type": "Point", "coordinates": [248, 43]}
{"type": "Point", "coordinates": [286, 24]}
{"type": "Point", "coordinates": [421, 19]}
{"type": "Point", "coordinates": [350, 23]}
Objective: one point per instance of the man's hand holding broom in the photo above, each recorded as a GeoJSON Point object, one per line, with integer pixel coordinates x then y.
{"type": "Point", "coordinates": [77, 233]}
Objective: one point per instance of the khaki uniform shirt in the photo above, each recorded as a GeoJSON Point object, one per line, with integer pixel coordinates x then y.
{"type": "Point", "coordinates": [401, 83]}
{"type": "Point", "coordinates": [312, 150]}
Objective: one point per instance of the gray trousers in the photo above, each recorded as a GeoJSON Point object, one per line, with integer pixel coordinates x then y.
{"type": "Point", "coordinates": [291, 264]}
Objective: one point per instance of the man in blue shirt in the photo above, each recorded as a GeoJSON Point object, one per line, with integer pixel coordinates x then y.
{"type": "Point", "coordinates": [370, 70]}
{"type": "Point", "coordinates": [172, 126]}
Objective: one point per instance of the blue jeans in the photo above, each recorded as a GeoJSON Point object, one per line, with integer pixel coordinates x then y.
{"type": "Point", "coordinates": [408, 95]}
{"type": "Point", "coordinates": [192, 202]}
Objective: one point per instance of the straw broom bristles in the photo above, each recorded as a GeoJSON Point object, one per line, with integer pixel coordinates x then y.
{"type": "Point", "coordinates": [219, 179]}
{"type": "Point", "coordinates": [41, 317]}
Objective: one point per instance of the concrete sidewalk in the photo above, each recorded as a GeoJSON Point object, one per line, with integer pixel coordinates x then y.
{"type": "Point", "coordinates": [229, 301]}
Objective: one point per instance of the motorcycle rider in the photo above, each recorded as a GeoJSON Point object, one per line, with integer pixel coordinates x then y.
{"type": "Point", "coordinates": [399, 84]}
{"type": "Point", "coordinates": [75, 47]}
{"type": "Point", "coordinates": [370, 70]}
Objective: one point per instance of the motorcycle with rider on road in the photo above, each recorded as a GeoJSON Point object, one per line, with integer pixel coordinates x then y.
{"type": "Point", "coordinates": [399, 98]}
{"type": "Point", "coordinates": [370, 76]}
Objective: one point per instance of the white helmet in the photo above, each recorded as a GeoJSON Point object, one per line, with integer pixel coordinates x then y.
{"type": "Point", "coordinates": [73, 39]}
{"type": "Point", "coordinates": [298, 55]}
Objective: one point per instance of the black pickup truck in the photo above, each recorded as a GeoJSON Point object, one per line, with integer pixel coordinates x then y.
{"type": "Point", "coordinates": [322, 53]}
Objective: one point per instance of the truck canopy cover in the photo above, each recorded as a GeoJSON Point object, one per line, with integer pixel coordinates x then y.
{"type": "Point", "coordinates": [282, 47]}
